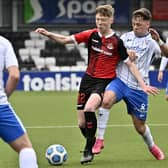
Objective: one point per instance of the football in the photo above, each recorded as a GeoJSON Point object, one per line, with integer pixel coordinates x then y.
{"type": "Point", "coordinates": [56, 154]}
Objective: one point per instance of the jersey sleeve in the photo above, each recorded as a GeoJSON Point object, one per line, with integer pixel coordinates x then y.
{"type": "Point", "coordinates": [10, 57]}
{"type": "Point", "coordinates": [83, 37]}
{"type": "Point", "coordinates": [157, 49]}
{"type": "Point", "coordinates": [123, 36]}
{"type": "Point", "coordinates": [122, 50]}
{"type": "Point", "coordinates": [163, 63]}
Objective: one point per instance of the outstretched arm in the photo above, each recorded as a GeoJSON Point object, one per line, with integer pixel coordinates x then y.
{"type": "Point", "coordinates": [163, 46]}
{"type": "Point", "coordinates": [57, 37]}
{"type": "Point", "coordinates": [136, 73]}
{"type": "Point", "coordinates": [162, 67]}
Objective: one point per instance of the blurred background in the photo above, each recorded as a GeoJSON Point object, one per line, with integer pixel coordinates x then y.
{"type": "Point", "coordinates": [19, 19]}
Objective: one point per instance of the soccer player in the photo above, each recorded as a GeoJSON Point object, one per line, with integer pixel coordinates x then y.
{"type": "Point", "coordinates": [126, 87]}
{"type": "Point", "coordinates": [162, 67]}
{"type": "Point", "coordinates": [12, 130]}
{"type": "Point", "coordinates": [163, 46]}
{"type": "Point", "coordinates": [105, 51]}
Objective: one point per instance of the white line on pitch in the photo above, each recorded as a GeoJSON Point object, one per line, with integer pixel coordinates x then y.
{"type": "Point", "coordinates": [111, 125]}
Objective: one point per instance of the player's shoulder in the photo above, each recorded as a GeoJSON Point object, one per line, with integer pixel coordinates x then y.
{"type": "Point", "coordinates": [4, 41]}
{"type": "Point", "coordinates": [151, 40]}
{"type": "Point", "coordinates": [127, 35]}
{"type": "Point", "coordinates": [87, 33]}
{"type": "Point", "coordinates": [153, 45]}
{"type": "Point", "coordinates": [90, 31]}
{"type": "Point", "coordinates": [131, 33]}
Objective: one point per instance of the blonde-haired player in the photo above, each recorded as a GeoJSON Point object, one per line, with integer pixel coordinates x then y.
{"type": "Point", "coordinates": [105, 51]}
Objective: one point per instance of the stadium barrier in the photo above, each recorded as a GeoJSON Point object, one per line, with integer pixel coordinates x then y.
{"type": "Point", "coordinates": [65, 81]}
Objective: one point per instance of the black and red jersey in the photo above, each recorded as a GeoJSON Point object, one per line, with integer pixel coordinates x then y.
{"type": "Point", "coordinates": [104, 53]}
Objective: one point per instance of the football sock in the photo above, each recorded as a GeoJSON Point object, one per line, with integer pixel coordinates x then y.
{"type": "Point", "coordinates": [83, 131]}
{"type": "Point", "coordinates": [27, 158]}
{"type": "Point", "coordinates": [103, 116]}
{"type": "Point", "coordinates": [148, 138]}
{"type": "Point", "coordinates": [91, 124]}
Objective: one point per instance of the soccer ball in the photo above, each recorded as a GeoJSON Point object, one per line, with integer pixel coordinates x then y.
{"type": "Point", "coordinates": [56, 154]}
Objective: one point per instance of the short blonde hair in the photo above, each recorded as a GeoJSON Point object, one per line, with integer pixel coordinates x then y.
{"type": "Point", "coordinates": [105, 10]}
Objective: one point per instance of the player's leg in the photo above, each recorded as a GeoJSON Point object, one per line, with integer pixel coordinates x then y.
{"type": "Point", "coordinates": [83, 96]}
{"type": "Point", "coordinates": [93, 89]}
{"type": "Point", "coordinates": [114, 92]}
{"type": "Point", "coordinates": [145, 132]}
{"type": "Point", "coordinates": [91, 125]}
{"type": "Point", "coordinates": [137, 106]}
{"type": "Point", "coordinates": [87, 155]}
{"type": "Point", "coordinates": [81, 122]}
{"type": "Point", "coordinates": [27, 155]}
{"type": "Point", "coordinates": [13, 132]}
{"type": "Point", "coordinates": [103, 116]}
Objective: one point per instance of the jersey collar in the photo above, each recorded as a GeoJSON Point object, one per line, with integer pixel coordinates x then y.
{"type": "Point", "coordinates": [147, 34]}
{"type": "Point", "coordinates": [107, 36]}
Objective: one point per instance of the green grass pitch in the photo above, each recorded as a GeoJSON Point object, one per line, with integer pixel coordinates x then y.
{"type": "Point", "coordinates": [51, 118]}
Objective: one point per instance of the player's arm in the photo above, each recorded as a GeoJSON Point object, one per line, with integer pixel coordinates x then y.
{"type": "Point", "coordinates": [148, 89]}
{"type": "Point", "coordinates": [164, 48]}
{"type": "Point", "coordinates": [54, 36]}
{"type": "Point", "coordinates": [12, 81]}
{"type": "Point", "coordinates": [124, 56]}
{"type": "Point", "coordinates": [136, 73]}
{"type": "Point", "coordinates": [132, 54]}
{"type": "Point", "coordinates": [156, 36]}
{"type": "Point", "coordinates": [162, 67]}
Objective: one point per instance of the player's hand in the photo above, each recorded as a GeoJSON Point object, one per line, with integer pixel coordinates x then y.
{"type": "Point", "coordinates": [132, 55]}
{"type": "Point", "coordinates": [42, 31]}
{"type": "Point", "coordinates": [160, 76]}
{"type": "Point", "coordinates": [154, 34]}
{"type": "Point", "coordinates": [151, 90]}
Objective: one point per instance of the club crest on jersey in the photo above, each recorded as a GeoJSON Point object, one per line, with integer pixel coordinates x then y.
{"type": "Point", "coordinates": [110, 46]}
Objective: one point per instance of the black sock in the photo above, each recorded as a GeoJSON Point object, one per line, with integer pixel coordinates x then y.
{"type": "Point", "coordinates": [83, 131]}
{"type": "Point", "coordinates": [91, 124]}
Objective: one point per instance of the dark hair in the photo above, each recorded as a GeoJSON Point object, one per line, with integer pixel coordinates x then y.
{"type": "Point", "coordinates": [143, 12]}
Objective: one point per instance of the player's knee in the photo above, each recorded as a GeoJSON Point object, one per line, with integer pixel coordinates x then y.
{"type": "Point", "coordinates": [106, 104]}
{"type": "Point", "coordinates": [91, 108]}
{"type": "Point", "coordinates": [81, 124]}
{"type": "Point", "coordinates": [21, 143]}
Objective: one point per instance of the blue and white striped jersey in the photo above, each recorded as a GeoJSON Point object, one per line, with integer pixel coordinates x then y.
{"type": "Point", "coordinates": [145, 47]}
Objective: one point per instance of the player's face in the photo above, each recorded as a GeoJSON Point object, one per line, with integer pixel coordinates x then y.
{"type": "Point", "coordinates": [103, 23]}
{"type": "Point", "coordinates": [140, 26]}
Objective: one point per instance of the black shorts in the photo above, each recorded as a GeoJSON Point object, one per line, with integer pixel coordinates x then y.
{"type": "Point", "coordinates": [88, 86]}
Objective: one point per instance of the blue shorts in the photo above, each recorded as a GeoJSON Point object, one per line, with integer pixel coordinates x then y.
{"type": "Point", "coordinates": [167, 88]}
{"type": "Point", "coordinates": [11, 127]}
{"type": "Point", "coordinates": [136, 100]}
